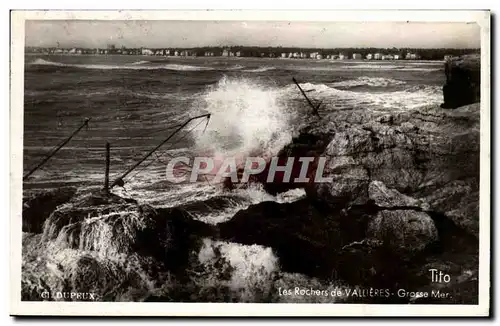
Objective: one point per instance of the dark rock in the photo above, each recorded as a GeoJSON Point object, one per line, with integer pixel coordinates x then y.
{"type": "Point", "coordinates": [302, 236]}
{"type": "Point", "coordinates": [458, 201]}
{"type": "Point", "coordinates": [365, 263]}
{"type": "Point", "coordinates": [304, 145]}
{"type": "Point", "coordinates": [404, 232]}
{"type": "Point", "coordinates": [463, 81]}
{"type": "Point", "coordinates": [113, 226]}
{"type": "Point", "coordinates": [37, 208]}
{"type": "Point", "coordinates": [389, 198]}
{"type": "Point", "coordinates": [349, 186]}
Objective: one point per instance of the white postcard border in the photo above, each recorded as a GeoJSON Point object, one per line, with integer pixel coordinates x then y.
{"type": "Point", "coordinates": [18, 307]}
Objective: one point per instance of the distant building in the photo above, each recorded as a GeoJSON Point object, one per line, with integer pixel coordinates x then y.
{"type": "Point", "coordinates": [377, 56]}
{"type": "Point", "coordinates": [343, 56]}
{"type": "Point", "coordinates": [225, 53]}
{"type": "Point", "coordinates": [283, 54]}
{"type": "Point", "coordinates": [412, 56]}
{"type": "Point", "coordinates": [176, 53]}
{"type": "Point", "coordinates": [369, 56]}
{"type": "Point", "coordinates": [357, 56]}
{"type": "Point", "coordinates": [145, 52]}
{"type": "Point", "coordinates": [447, 57]}
{"type": "Point", "coordinates": [313, 55]}
{"type": "Point", "coordinates": [319, 56]}
{"type": "Point", "coordinates": [397, 57]}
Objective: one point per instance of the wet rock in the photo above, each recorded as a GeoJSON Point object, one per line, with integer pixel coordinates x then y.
{"type": "Point", "coordinates": [304, 145]}
{"type": "Point", "coordinates": [349, 186]}
{"type": "Point", "coordinates": [360, 261]}
{"type": "Point", "coordinates": [37, 208]}
{"type": "Point", "coordinates": [414, 161]}
{"type": "Point", "coordinates": [459, 201]}
{"type": "Point", "coordinates": [302, 236]}
{"type": "Point", "coordinates": [405, 232]}
{"type": "Point", "coordinates": [50, 273]}
{"type": "Point", "coordinates": [106, 280]}
{"type": "Point", "coordinates": [463, 81]}
{"type": "Point", "coordinates": [115, 226]}
{"type": "Point", "coordinates": [383, 196]}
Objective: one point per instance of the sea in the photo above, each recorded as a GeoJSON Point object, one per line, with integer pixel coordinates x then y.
{"type": "Point", "coordinates": [136, 102]}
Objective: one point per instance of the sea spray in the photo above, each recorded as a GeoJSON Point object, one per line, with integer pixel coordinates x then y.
{"type": "Point", "coordinates": [247, 117]}
{"type": "Point", "coordinates": [250, 269]}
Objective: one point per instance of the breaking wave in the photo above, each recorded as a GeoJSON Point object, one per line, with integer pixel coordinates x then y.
{"type": "Point", "coordinates": [260, 69]}
{"type": "Point", "coordinates": [134, 66]}
{"type": "Point", "coordinates": [409, 98]}
{"type": "Point", "coordinates": [246, 117]}
{"type": "Point", "coordinates": [368, 81]}
{"type": "Point", "coordinates": [140, 62]}
{"type": "Point", "coordinates": [236, 67]}
{"type": "Point", "coordinates": [361, 67]}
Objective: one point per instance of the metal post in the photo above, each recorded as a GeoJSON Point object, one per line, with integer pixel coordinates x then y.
{"type": "Point", "coordinates": [119, 180]}
{"type": "Point", "coordinates": [315, 108]}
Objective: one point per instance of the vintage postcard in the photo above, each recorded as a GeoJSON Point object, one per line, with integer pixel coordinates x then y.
{"type": "Point", "coordinates": [250, 163]}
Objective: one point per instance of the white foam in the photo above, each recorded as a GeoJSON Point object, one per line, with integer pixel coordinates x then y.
{"type": "Point", "coordinates": [134, 66]}
{"type": "Point", "coordinates": [236, 67]}
{"type": "Point", "coordinates": [393, 100]}
{"type": "Point", "coordinates": [246, 117]}
{"type": "Point", "coordinates": [140, 62]}
{"type": "Point", "coordinates": [368, 81]}
{"type": "Point", "coordinates": [362, 67]}
{"type": "Point", "coordinates": [260, 69]}
{"type": "Point", "coordinates": [253, 267]}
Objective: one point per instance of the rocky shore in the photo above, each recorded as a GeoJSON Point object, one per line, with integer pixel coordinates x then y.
{"type": "Point", "coordinates": [404, 200]}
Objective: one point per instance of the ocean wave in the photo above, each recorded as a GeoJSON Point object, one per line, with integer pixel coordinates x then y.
{"type": "Point", "coordinates": [115, 91]}
{"type": "Point", "coordinates": [236, 67]}
{"type": "Point", "coordinates": [260, 69]}
{"type": "Point", "coordinates": [140, 62]}
{"type": "Point", "coordinates": [389, 67]}
{"type": "Point", "coordinates": [252, 271]}
{"type": "Point", "coordinates": [368, 81]}
{"type": "Point", "coordinates": [133, 66]}
{"type": "Point", "coordinates": [410, 98]}
{"type": "Point", "coordinates": [246, 116]}
{"type": "Point", "coordinates": [361, 67]}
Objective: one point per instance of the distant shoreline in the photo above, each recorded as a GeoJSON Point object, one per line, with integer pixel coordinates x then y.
{"type": "Point", "coordinates": [158, 57]}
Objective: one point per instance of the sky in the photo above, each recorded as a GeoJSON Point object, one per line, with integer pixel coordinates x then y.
{"type": "Point", "coordinates": [140, 33]}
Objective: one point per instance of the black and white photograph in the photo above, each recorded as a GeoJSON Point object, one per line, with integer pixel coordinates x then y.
{"type": "Point", "coordinates": [183, 159]}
